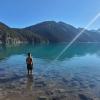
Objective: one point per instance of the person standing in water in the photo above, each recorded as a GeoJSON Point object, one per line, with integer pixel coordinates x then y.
{"type": "Point", "coordinates": [29, 63]}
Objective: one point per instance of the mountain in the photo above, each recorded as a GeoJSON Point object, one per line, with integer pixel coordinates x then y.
{"type": "Point", "coordinates": [9, 36]}
{"type": "Point", "coordinates": [44, 32]}
{"type": "Point", "coordinates": [18, 36]}
{"type": "Point", "coordinates": [53, 31]}
{"type": "Point", "coordinates": [62, 32]}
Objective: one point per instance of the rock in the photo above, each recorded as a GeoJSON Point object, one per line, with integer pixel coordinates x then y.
{"type": "Point", "coordinates": [83, 97]}
{"type": "Point", "coordinates": [65, 80]}
{"type": "Point", "coordinates": [40, 84]}
{"type": "Point", "coordinates": [43, 98]}
{"type": "Point", "coordinates": [61, 90]}
{"type": "Point", "coordinates": [92, 85]}
{"type": "Point", "coordinates": [56, 98]}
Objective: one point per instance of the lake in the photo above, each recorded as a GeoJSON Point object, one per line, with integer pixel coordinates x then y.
{"type": "Point", "coordinates": [74, 76]}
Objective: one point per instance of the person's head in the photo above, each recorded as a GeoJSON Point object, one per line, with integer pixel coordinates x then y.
{"type": "Point", "coordinates": [29, 54]}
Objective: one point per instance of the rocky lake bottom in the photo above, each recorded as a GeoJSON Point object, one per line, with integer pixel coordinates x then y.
{"type": "Point", "coordinates": [74, 78]}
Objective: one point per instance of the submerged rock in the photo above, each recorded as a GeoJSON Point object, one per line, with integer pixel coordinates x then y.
{"type": "Point", "coordinates": [84, 97]}
{"type": "Point", "coordinates": [40, 84]}
{"type": "Point", "coordinates": [43, 98]}
{"type": "Point", "coordinates": [56, 98]}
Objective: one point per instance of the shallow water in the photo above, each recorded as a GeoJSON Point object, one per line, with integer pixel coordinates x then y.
{"type": "Point", "coordinates": [74, 76]}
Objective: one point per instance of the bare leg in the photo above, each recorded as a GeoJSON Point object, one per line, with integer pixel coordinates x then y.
{"type": "Point", "coordinates": [28, 71]}
{"type": "Point", "coordinates": [31, 71]}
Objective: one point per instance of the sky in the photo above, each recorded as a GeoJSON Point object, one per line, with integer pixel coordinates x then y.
{"type": "Point", "coordinates": [22, 13]}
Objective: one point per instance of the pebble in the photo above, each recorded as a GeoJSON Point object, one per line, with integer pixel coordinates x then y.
{"type": "Point", "coordinates": [43, 98]}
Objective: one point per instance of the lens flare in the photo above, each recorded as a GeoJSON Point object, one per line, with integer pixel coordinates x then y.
{"type": "Point", "coordinates": [74, 39]}
{"type": "Point", "coordinates": [78, 35]}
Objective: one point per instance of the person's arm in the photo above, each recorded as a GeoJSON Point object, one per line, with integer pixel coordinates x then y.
{"type": "Point", "coordinates": [26, 61]}
{"type": "Point", "coordinates": [32, 61]}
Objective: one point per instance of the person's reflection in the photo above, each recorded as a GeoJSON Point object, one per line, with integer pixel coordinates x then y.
{"type": "Point", "coordinates": [29, 84]}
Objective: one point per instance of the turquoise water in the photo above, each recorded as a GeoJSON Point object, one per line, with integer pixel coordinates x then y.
{"type": "Point", "coordinates": [76, 71]}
